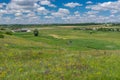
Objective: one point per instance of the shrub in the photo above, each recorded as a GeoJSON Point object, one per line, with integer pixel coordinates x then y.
{"type": "Point", "coordinates": [91, 32]}
{"type": "Point", "coordinates": [9, 32]}
{"type": "Point", "coordinates": [36, 32]}
{"type": "Point", "coordinates": [1, 36]}
{"type": "Point", "coordinates": [76, 29]}
{"type": "Point", "coordinates": [2, 28]}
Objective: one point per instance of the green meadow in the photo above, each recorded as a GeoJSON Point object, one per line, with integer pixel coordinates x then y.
{"type": "Point", "coordinates": [60, 53]}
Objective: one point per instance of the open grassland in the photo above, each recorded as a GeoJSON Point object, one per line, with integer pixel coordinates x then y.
{"type": "Point", "coordinates": [60, 54]}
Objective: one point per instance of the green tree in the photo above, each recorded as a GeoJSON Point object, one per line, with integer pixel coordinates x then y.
{"type": "Point", "coordinates": [36, 32]}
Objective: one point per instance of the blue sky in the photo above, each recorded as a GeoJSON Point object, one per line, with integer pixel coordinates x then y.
{"type": "Point", "coordinates": [58, 11]}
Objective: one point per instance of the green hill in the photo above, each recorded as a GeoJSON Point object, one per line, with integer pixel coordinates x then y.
{"type": "Point", "coordinates": [60, 54]}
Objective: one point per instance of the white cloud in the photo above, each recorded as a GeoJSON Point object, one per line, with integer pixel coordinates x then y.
{"type": "Point", "coordinates": [113, 7]}
{"type": "Point", "coordinates": [77, 14]}
{"type": "Point", "coordinates": [1, 6]}
{"type": "Point", "coordinates": [19, 7]}
{"type": "Point", "coordinates": [89, 2]}
{"type": "Point", "coordinates": [24, 11]}
{"type": "Point", "coordinates": [36, 5]}
{"type": "Point", "coordinates": [37, 11]}
{"type": "Point", "coordinates": [21, 4]}
{"type": "Point", "coordinates": [18, 14]}
{"type": "Point", "coordinates": [42, 10]}
{"type": "Point", "coordinates": [92, 12]}
{"type": "Point", "coordinates": [3, 11]}
{"type": "Point", "coordinates": [32, 14]}
{"type": "Point", "coordinates": [47, 2]}
{"type": "Point", "coordinates": [72, 4]}
{"type": "Point", "coordinates": [49, 17]}
{"type": "Point", "coordinates": [61, 12]}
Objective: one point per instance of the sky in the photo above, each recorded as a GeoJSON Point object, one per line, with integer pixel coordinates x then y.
{"type": "Point", "coordinates": [59, 11]}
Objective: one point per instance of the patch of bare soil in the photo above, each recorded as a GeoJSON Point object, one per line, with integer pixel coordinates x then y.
{"type": "Point", "coordinates": [57, 36]}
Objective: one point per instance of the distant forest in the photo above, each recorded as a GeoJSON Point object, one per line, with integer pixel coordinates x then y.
{"type": "Point", "coordinates": [47, 25]}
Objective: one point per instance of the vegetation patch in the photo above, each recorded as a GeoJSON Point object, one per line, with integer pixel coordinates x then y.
{"type": "Point", "coordinates": [1, 36]}
{"type": "Point", "coordinates": [60, 54]}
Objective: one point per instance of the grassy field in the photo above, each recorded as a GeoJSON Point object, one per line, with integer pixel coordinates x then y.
{"type": "Point", "coordinates": [60, 53]}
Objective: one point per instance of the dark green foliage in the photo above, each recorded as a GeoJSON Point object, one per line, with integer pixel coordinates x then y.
{"type": "Point", "coordinates": [91, 32]}
{"type": "Point", "coordinates": [76, 28]}
{"type": "Point", "coordinates": [17, 26]}
{"type": "Point", "coordinates": [2, 28]}
{"type": "Point", "coordinates": [109, 29]}
{"type": "Point", "coordinates": [36, 32]}
{"type": "Point", "coordinates": [1, 36]}
{"type": "Point", "coordinates": [9, 32]}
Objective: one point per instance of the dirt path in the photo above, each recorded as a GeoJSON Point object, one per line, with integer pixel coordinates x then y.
{"type": "Point", "coordinates": [57, 36]}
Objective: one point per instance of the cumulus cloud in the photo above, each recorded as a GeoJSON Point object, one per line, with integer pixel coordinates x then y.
{"type": "Point", "coordinates": [18, 7]}
{"type": "Point", "coordinates": [21, 4]}
{"type": "Point", "coordinates": [92, 12]}
{"type": "Point", "coordinates": [89, 2]}
{"type": "Point", "coordinates": [1, 6]}
{"type": "Point", "coordinates": [49, 17]}
{"type": "Point", "coordinates": [3, 11]}
{"type": "Point", "coordinates": [42, 11]}
{"type": "Point", "coordinates": [22, 11]}
{"type": "Point", "coordinates": [113, 7]}
{"type": "Point", "coordinates": [61, 12]}
{"type": "Point", "coordinates": [18, 14]}
{"type": "Point", "coordinates": [72, 4]}
{"type": "Point", "coordinates": [47, 2]}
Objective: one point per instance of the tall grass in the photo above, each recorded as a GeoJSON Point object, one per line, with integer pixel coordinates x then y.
{"type": "Point", "coordinates": [87, 57]}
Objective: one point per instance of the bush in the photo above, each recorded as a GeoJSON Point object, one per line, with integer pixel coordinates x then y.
{"type": "Point", "coordinates": [1, 36]}
{"type": "Point", "coordinates": [2, 28]}
{"type": "Point", "coordinates": [91, 32]}
{"type": "Point", "coordinates": [36, 32]}
{"type": "Point", "coordinates": [76, 29]}
{"type": "Point", "coordinates": [9, 32]}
